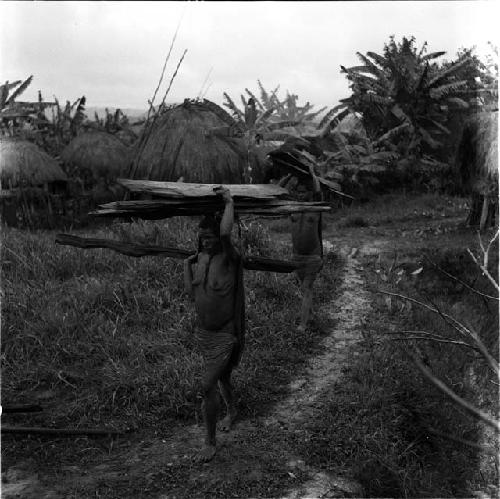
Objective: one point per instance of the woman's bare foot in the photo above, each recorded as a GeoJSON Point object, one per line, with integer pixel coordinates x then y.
{"type": "Point", "coordinates": [205, 454]}
{"type": "Point", "coordinates": [227, 423]}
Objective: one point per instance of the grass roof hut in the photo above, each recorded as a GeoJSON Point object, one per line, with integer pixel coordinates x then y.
{"type": "Point", "coordinates": [477, 159]}
{"type": "Point", "coordinates": [195, 140]}
{"type": "Point", "coordinates": [24, 164]}
{"type": "Point", "coordinates": [28, 175]}
{"type": "Point", "coordinates": [97, 155]}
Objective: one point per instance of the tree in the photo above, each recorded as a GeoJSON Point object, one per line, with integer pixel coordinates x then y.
{"type": "Point", "coordinates": [481, 93]}
{"type": "Point", "coordinates": [268, 118]}
{"type": "Point", "coordinates": [403, 95]}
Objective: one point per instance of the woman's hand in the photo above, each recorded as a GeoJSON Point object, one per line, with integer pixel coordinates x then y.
{"type": "Point", "coordinates": [224, 192]}
{"type": "Point", "coordinates": [191, 259]}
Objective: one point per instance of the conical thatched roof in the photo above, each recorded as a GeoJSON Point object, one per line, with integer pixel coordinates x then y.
{"type": "Point", "coordinates": [181, 144]}
{"type": "Point", "coordinates": [100, 152]}
{"type": "Point", "coordinates": [477, 153]}
{"type": "Point", "coordinates": [24, 162]}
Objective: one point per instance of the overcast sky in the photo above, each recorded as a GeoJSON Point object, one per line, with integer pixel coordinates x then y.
{"type": "Point", "coordinates": [113, 52]}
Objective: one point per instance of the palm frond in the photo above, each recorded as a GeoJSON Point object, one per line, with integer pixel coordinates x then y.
{"type": "Point", "coordinates": [79, 115]}
{"type": "Point", "coordinates": [379, 59]}
{"type": "Point", "coordinates": [392, 133]}
{"type": "Point", "coordinates": [459, 102]}
{"type": "Point", "coordinates": [448, 71]}
{"type": "Point", "coordinates": [361, 69]}
{"type": "Point", "coordinates": [373, 68]}
{"type": "Point", "coordinates": [438, 125]}
{"type": "Point", "coordinates": [330, 114]}
{"type": "Point", "coordinates": [400, 114]}
{"type": "Point", "coordinates": [439, 92]}
{"type": "Point", "coordinates": [275, 136]}
{"type": "Point", "coordinates": [19, 90]}
{"type": "Point", "coordinates": [315, 114]}
{"type": "Point", "coordinates": [282, 124]}
{"type": "Point", "coordinates": [426, 137]}
{"type": "Point", "coordinates": [229, 103]}
{"type": "Point", "coordinates": [432, 55]}
{"type": "Point", "coordinates": [257, 101]}
{"type": "Point", "coordinates": [243, 101]}
{"type": "Point", "coordinates": [4, 95]}
{"type": "Point", "coordinates": [337, 119]}
{"type": "Point", "coordinates": [422, 79]}
{"type": "Point", "coordinates": [373, 98]}
{"type": "Point", "coordinates": [264, 95]}
{"type": "Point", "coordinates": [264, 116]}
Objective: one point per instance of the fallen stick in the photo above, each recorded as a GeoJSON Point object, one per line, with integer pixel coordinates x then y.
{"type": "Point", "coordinates": [138, 250]}
{"type": "Point", "coordinates": [59, 431]}
{"type": "Point", "coordinates": [10, 409]}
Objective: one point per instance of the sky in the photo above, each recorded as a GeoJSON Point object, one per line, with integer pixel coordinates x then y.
{"type": "Point", "coordinates": [114, 52]}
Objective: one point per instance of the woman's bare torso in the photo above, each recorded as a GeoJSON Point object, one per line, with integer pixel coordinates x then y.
{"type": "Point", "coordinates": [214, 291]}
{"type": "Point", "coordinates": [305, 233]}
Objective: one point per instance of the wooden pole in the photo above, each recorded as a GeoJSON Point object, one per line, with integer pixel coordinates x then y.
{"type": "Point", "coordinates": [138, 250]}
{"type": "Point", "coordinates": [484, 213]}
{"type": "Point", "coordinates": [10, 409]}
{"type": "Point", "coordinates": [59, 431]}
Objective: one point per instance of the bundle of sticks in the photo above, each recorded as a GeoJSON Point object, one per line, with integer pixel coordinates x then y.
{"type": "Point", "coordinates": [189, 199]}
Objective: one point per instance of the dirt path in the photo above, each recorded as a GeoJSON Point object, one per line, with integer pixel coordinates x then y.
{"type": "Point", "coordinates": [347, 312]}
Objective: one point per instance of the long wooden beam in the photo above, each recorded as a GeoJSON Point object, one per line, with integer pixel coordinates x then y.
{"type": "Point", "coordinates": [166, 208]}
{"type": "Point", "coordinates": [139, 250]}
{"type": "Point", "coordinates": [193, 190]}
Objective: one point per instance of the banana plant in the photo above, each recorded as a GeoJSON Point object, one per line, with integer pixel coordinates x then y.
{"type": "Point", "coordinates": [270, 119]}
{"type": "Point", "coordinates": [15, 114]}
{"type": "Point", "coordinates": [403, 93]}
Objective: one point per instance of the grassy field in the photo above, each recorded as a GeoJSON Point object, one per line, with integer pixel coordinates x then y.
{"type": "Point", "coordinates": [109, 337]}
{"type": "Point", "coordinates": [101, 339]}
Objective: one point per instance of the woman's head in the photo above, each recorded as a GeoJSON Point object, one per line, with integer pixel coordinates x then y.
{"type": "Point", "coordinates": [209, 235]}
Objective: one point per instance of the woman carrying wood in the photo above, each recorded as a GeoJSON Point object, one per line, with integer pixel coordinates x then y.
{"type": "Point", "coordinates": [216, 285]}
{"type": "Point", "coordinates": [307, 239]}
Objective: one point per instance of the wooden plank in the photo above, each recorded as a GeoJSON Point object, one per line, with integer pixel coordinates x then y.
{"type": "Point", "coordinates": [163, 208]}
{"type": "Point", "coordinates": [138, 250]}
{"type": "Point", "coordinates": [193, 190]}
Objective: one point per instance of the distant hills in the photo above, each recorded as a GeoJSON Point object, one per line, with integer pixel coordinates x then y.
{"type": "Point", "coordinates": [132, 113]}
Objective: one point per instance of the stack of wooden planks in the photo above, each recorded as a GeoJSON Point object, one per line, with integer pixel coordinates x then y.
{"type": "Point", "coordinates": [188, 199]}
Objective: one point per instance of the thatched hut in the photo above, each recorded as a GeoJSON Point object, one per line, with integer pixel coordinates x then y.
{"type": "Point", "coordinates": [477, 160]}
{"type": "Point", "coordinates": [24, 164]}
{"type": "Point", "coordinates": [194, 140]}
{"type": "Point", "coordinates": [94, 155]}
{"type": "Point", "coordinates": [28, 176]}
